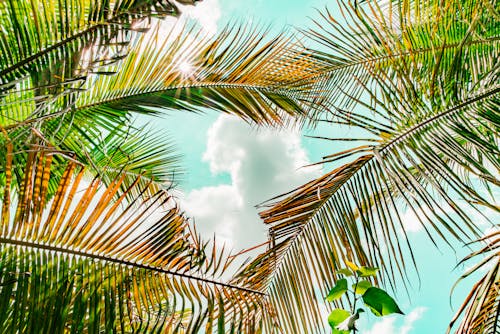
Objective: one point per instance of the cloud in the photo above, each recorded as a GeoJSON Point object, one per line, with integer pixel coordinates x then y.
{"type": "Point", "coordinates": [411, 318]}
{"type": "Point", "coordinates": [482, 217]}
{"type": "Point", "coordinates": [206, 12]}
{"type": "Point", "coordinates": [214, 210]}
{"type": "Point", "coordinates": [261, 164]}
{"type": "Point", "coordinates": [411, 222]}
{"type": "Point", "coordinates": [388, 324]}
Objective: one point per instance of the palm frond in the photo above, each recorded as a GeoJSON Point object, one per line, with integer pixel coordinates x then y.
{"type": "Point", "coordinates": [353, 212]}
{"type": "Point", "coordinates": [440, 47]}
{"type": "Point", "coordinates": [39, 33]}
{"type": "Point", "coordinates": [123, 151]}
{"type": "Point", "coordinates": [480, 311]}
{"type": "Point", "coordinates": [85, 262]}
{"type": "Point", "coordinates": [426, 154]}
{"type": "Point", "coordinates": [48, 52]}
{"type": "Point", "coordinates": [135, 153]}
{"type": "Point", "coordinates": [49, 49]}
{"type": "Point", "coordinates": [239, 71]}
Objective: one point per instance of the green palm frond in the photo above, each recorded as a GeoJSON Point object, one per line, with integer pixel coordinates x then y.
{"type": "Point", "coordinates": [148, 155]}
{"type": "Point", "coordinates": [481, 309]}
{"type": "Point", "coordinates": [238, 71]}
{"type": "Point", "coordinates": [87, 263]}
{"type": "Point", "coordinates": [50, 48]}
{"type": "Point", "coordinates": [48, 51]}
{"type": "Point", "coordinates": [430, 45]}
{"type": "Point", "coordinates": [137, 153]}
{"type": "Point", "coordinates": [354, 212]}
{"type": "Point", "coordinates": [432, 148]}
{"type": "Point", "coordinates": [38, 34]}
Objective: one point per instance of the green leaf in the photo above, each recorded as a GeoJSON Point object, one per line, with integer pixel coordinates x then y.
{"type": "Point", "coordinates": [367, 271]}
{"type": "Point", "coordinates": [380, 302]}
{"type": "Point", "coordinates": [361, 287]}
{"type": "Point", "coordinates": [338, 290]}
{"type": "Point", "coordinates": [336, 317]}
{"type": "Point", "coordinates": [345, 272]}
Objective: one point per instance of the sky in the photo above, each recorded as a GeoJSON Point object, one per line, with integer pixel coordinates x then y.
{"type": "Point", "coordinates": [231, 167]}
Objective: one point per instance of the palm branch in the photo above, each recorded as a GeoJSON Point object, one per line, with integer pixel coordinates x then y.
{"type": "Point", "coordinates": [239, 72]}
{"type": "Point", "coordinates": [242, 77]}
{"type": "Point", "coordinates": [41, 34]}
{"type": "Point", "coordinates": [426, 90]}
{"type": "Point", "coordinates": [425, 49]}
{"type": "Point", "coordinates": [47, 52]}
{"type": "Point", "coordinates": [83, 262]}
{"type": "Point", "coordinates": [480, 311]}
{"type": "Point", "coordinates": [49, 49]}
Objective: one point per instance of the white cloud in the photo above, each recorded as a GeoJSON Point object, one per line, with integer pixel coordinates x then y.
{"type": "Point", "coordinates": [213, 210]}
{"type": "Point", "coordinates": [384, 326]}
{"type": "Point", "coordinates": [261, 163]}
{"type": "Point", "coordinates": [206, 12]}
{"type": "Point", "coordinates": [411, 222]}
{"type": "Point", "coordinates": [388, 325]}
{"type": "Point", "coordinates": [482, 217]}
{"type": "Point", "coordinates": [411, 318]}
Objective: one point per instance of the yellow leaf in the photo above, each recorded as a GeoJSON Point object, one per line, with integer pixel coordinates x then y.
{"type": "Point", "coordinates": [385, 135]}
{"type": "Point", "coordinates": [352, 265]}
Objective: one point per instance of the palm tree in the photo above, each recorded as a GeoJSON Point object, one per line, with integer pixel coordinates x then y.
{"type": "Point", "coordinates": [83, 262]}
{"type": "Point", "coordinates": [91, 237]}
{"type": "Point", "coordinates": [422, 80]}
{"type": "Point", "coordinates": [420, 77]}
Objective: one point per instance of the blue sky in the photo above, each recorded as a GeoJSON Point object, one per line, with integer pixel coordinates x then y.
{"type": "Point", "coordinates": [231, 167]}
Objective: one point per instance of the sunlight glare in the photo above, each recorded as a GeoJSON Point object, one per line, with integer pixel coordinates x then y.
{"type": "Point", "coordinates": [186, 68]}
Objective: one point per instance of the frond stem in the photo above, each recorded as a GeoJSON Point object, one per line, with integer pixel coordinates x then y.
{"type": "Point", "coordinates": [124, 263]}
{"type": "Point", "coordinates": [335, 68]}
{"type": "Point", "coordinates": [446, 113]}
{"type": "Point", "coordinates": [111, 100]}
{"type": "Point", "coordinates": [194, 85]}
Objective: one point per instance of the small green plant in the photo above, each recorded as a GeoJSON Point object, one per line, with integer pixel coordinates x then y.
{"type": "Point", "coordinates": [377, 300]}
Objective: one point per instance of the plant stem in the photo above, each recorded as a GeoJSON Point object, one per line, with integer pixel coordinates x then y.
{"type": "Point", "coordinates": [355, 299]}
